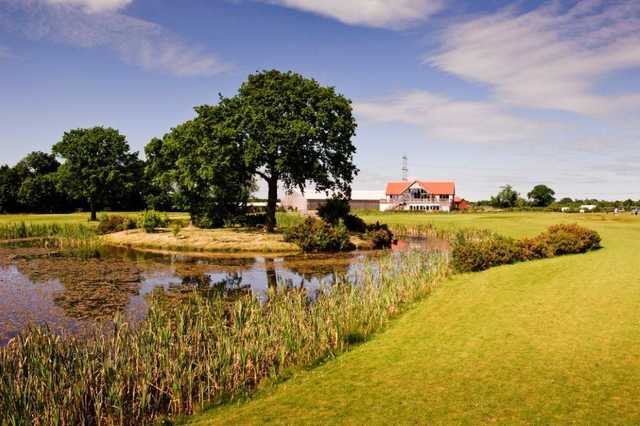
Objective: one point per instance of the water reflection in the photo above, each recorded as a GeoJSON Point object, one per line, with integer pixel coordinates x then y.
{"type": "Point", "coordinates": [70, 294]}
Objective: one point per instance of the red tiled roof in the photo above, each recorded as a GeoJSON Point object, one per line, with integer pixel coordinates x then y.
{"type": "Point", "coordinates": [397, 188]}
{"type": "Point", "coordinates": [435, 188]}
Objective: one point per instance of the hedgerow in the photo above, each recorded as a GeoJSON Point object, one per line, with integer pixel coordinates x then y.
{"type": "Point", "coordinates": [477, 253]}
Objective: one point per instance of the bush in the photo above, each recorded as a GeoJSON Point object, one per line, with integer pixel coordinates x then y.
{"type": "Point", "coordinates": [483, 252]}
{"type": "Point", "coordinates": [315, 235]}
{"type": "Point", "coordinates": [115, 223]}
{"type": "Point", "coordinates": [150, 220]}
{"type": "Point", "coordinates": [471, 255]}
{"type": "Point", "coordinates": [334, 210]}
{"type": "Point", "coordinates": [380, 235]}
{"type": "Point", "coordinates": [570, 239]}
{"type": "Point", "coordinates": [355, 224]}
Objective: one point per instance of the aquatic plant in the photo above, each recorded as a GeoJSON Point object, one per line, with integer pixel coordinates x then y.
{"type": "Point", "coordinates": [204, 350]}
{"type": "Point", "coordinates": [71, 239]}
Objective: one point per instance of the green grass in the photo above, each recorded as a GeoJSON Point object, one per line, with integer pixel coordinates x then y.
{"type": "Point", "coordinates": [555, 341]}
{"type": "Point", "coordinates": [67, 218]}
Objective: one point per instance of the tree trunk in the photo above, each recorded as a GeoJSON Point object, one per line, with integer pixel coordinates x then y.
{"type": "Point", "coordinates": [94, 214]}
{"type": "Point", "coordinates": [271, 204]}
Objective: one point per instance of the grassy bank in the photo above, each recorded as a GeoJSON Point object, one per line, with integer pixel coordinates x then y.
{"type": "Point", "coordinates": [546, 342]}
{"type": "Point", "coordinates": [203, 350]}
{"type": "Point", "coordinates": [204, 240]}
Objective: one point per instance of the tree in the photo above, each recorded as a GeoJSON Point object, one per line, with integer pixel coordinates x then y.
{"type": "Point", "coordinates": [38, 191]}
{"type": "Point", "coordinates": [97, 163]}
{"type": "Point", "coordinates": [40, 194]}
{"type": "Point", "coordinates": [541, 196]}
{"type": "Point", "coordinates": [506, 197]}
{"type": "Point", "coordinates": [9, 186]}
{"type": "Point", "coordinates": [294, 132]}
{"type": "Point", "coordinates": [200, 165]}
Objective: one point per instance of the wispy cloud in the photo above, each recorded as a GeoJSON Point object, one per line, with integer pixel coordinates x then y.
{"type": "Point", "coordinates": [374, 13]}
{"type": "Point", "coordinates": [135, 41]}
{"type": "Point", "coordinates": [447, 120]}
{"type": "Point", "coordinates": [550, 57]}
{"type": "Point", "coordinates": [95, 5]}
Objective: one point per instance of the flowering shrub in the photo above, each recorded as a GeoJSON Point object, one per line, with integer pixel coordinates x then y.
{"type": "Point", "coordinates": [470, 255]}
{"type": "Point", "coordinates": [477, 254]}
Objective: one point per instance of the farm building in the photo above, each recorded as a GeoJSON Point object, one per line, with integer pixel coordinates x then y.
{"type": "Point", "coordinates": [461, 204]}
{"type": "Point", "coordinates": [419, 195]}
{"type": "Point", "coordinates": [311, 200]}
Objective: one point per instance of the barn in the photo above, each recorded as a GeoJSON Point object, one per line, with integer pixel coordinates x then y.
{"type": "Point", "coordinates": [311, 200]}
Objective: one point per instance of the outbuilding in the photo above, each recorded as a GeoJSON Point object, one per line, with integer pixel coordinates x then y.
{"type": "Point", "coordinates": [312, 200]}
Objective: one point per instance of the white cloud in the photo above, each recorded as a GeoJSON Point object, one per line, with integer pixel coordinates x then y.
{"type": "Point", "coordinates": [135, 41]}
{"type": "Point", "coordinates": [447, 120]}
{"type": "Point", "coordinates": [550, 57]}
{"type": "Point", "coordinates": [373, 13]}
{"type": "Point", "coordinates": [95, 5]}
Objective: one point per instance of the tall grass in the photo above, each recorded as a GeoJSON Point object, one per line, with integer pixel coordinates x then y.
{"type": "Point", "coordinates": [72, 239]}
{"type": "Point", "coordinates": [286, 220]}
{"type": "Point", "coordinates": [428, 230]}
{"type": "Point", "coordinates": [201, 351]}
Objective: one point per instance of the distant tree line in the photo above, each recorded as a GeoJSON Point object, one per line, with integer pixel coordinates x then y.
{"type": "Point", "coordinates": [283, 128]}
{"type": "Point", "coordinates": [541, 196]}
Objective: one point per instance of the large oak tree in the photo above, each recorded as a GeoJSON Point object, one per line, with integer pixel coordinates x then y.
{"type": "Point", "coordinates": [295, 132]}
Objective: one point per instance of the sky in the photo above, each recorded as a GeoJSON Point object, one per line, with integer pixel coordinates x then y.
{"type": "Point", "coordinates": [484, 93]}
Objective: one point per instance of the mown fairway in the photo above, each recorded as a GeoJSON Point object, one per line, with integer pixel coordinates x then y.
{"type": "Point", "coordinates": [548, 342]}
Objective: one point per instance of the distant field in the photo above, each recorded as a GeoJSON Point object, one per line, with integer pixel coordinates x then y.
{"type": "Point", "coordinates": [67, 218]}
{"type": "Point", "coordinates": [555, 341]}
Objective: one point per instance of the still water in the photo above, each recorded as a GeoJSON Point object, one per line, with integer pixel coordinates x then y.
{"type": "Point", "coordinates": [73, 295]}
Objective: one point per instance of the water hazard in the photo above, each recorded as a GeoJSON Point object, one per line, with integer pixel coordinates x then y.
{"type": "Point", "coordinates": [69, 294]}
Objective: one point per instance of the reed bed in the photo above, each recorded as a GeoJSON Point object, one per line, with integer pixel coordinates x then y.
{"type": "Point", "coordinates": [71, 239]}
{"type": "Point", "coordinates": [203, 350]}
{"type": "Point", "coordinates": [428, 230]}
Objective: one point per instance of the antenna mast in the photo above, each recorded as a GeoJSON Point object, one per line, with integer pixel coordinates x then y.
{"type": "Point", "coordinates": [405, 168]}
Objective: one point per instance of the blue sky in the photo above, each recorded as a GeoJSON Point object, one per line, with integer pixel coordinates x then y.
{"type": "Point", "coordinates": [484, 93]}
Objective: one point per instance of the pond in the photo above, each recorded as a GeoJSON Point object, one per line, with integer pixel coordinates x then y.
{"type": "Point", "coordinates": [74, 295]}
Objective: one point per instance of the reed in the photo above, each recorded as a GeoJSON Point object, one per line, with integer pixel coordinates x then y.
{"type": "Point", "coordinates": [203, 350]}
{"type": "Point", "coordinates": [428, 230]}
{"type": "Point", "coordinates": [69, 238]}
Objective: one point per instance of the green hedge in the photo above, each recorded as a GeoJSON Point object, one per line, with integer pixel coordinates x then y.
{"type": "Point", "coordinates": [477, 254]}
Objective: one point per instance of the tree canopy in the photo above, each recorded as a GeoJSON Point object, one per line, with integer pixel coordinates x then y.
{"type": "Point", "coordinates": [97, 164]}
{"type": "Point", "coordinates": [507, 197]}
{"type": "Point", "coordinates": [200, 166]}
{"type": "Point", "coordinates": [541, 196]}
{"type": "Point", "coordinates": [294, 132]}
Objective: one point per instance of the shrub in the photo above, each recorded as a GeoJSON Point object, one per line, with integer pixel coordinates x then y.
{"type": "Point", "coordinates": [315, 235]}
{"type": "Point", "coordinates": [534, 248]}
{"type": "Point", "coordinates": [470, 255]}
{"type": "Point", "coordinates": [570, 239]}
{"type": "Point", "coordinates": [485, 251]}
{"type": "Point", "coordinates": [380, 235]}
{"type": "Point", "coordinates": [115, 223]}
{"type": "Point", "coordinates": [355, 224]}
{"type": "Point", "coordinates": [334, 210]}
{"type": "Point", "coordinates": [150, 220]}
